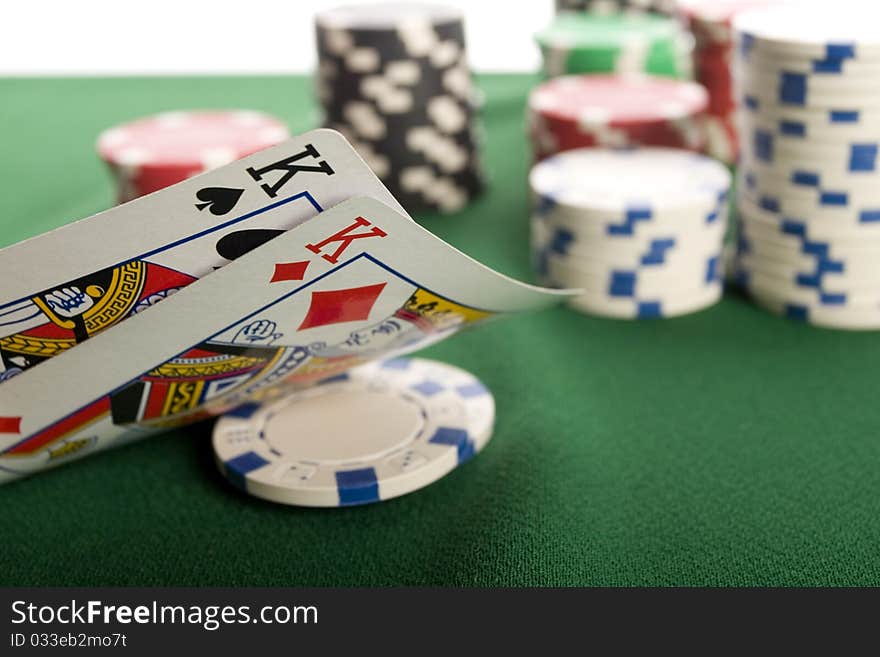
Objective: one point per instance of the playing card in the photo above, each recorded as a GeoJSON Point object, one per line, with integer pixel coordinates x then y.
{"type": "Point", "coordinates": [61, 288]}
{"type": "Point", "coordinates": [362, 282]}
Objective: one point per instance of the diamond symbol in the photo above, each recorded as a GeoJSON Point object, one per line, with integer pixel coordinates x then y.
{"type": "Point", "coordinates": [10, 424]}
{"type": "Point", "coordinates": [337, 306]}
{"type": "Point", "coordinates": [289, 271]}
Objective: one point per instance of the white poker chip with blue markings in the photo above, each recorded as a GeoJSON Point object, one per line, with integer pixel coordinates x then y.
{"type": "Point", "coordinates": [822, 292]}
{"type": "Point", "coordinates": [810, 125]}
{"type": "Point", "coordinates": [806, 181]}
{"type": "Point", "coordinates": [567, 239]}
{"type": "Point", "coordinates": [808, 235]}
{"type": "Point", "coordinates": [809, 183]}
{"type": "Point", "coordinates": [803, 251]}
{"type": "Point", "coordinates": [824, 68]}
{"type": "Point", "coordinates": [639, 231]}
{"type": "Point", "coordinates": [786, 241]}
{"type": "Point", "coordinates": [823, 223]}
{"type": "Point", "coordinates": [808, 196]}
{"type": "Point", "coordinates": [649, 306]}
{"type": "Point", "coordinates": [628, 282]}
{"type": "Point", "coordinates": [380, 431]}
{"type": "Point", "coordinates": [639, 224]}
{"type": "Point", "coordinates": [771, 212]}
{"type": "Point", "coordinates": [817, 30]}
{"type": "Point", "coordinates": [600, 180]}
{"type": "Point", "coordinates": [845, 278]}
{"type": "Point", "coordinates": [852, 318]}
{"type": "Point", "coordinates": [633, 211]}
{"type": "Point", "coordinates": [787, 88]}
{"type": "Point", "coordinates": [843, 157]}
{"type": "Point", "coordinates": [835, 208]}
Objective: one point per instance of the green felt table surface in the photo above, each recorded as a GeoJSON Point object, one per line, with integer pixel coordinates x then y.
{"type": "Point", "coordinates": [730, 447]}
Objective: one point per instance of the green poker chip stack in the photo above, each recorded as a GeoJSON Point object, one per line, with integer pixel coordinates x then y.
{"type": "Point", "coordinates": [587, 43]}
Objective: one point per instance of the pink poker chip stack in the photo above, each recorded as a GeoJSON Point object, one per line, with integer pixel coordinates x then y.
{"type": "Point", "coordinates": [149, 154]}
{"type": "Point", "coordinates": [582, 111]}
{"type": "Point", "coordinates": [711, 23]}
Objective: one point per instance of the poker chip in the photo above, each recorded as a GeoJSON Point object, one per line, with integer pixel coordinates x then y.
{"type": "Point", "coordinates": [809, 177]}
{"type": "Point", "coordinates": [809, 125]}
{"type": "Point", "coordinates": [649, 306]}
{"type": "Point", "coordinates": [857, 280]}
{"type": "Point", "coordinates": [394, 79]}
{"type": "Point", "coordinates": [826, 214]}
{"type": "Point", "coordinates": [711, 23]}
{"type": "Point", "coordinates": [616, 6]}
{"type": "Point", "coordinates": [151, 153]}
{"type": "Point", "coordinates": [579, 111]}
{"type": "Point", "coordinates": [615, 43]}
{"type": "Point", "coordinates": [810, 30]}
{"type": "Point", "coordinates": [667, 178]}
{"type": "Point", "coordinates": [380, 431]}
{"type": "Point", "coordinates": [851, 318]}
{"type": "Point", "coordinates": [639, 231]}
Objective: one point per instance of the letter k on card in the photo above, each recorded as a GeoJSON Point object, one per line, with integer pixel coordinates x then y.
{"type": "Point", "coordinates": [295, 271]}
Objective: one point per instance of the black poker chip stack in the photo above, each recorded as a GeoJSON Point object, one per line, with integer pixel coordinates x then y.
{"type": "Point", "coordinates": [618, 6]}
{"type": "Point", "coordinates": [394, 80]}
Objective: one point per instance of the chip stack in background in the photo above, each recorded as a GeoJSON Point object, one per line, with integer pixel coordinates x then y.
{"type": "Point", "coordinates": [617, 6]}
{"type": "Point", "coordinates": [809, 188]}
{"type": "Point", "coordinates": [581, 111]}
{"type": "Point", "coordinates": [394, 79]}
{"type": "Point", "coordinates": [152, 153]}
{"type": "Point", "coordinates": [640, 230]}
{"type": "Point", "coordinates": [615, 43]}
{"type": "Point", "coordinates": [710, 21]}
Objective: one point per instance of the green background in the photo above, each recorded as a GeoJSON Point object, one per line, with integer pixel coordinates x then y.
{"type": "Point", "coordinates": [729, 447]}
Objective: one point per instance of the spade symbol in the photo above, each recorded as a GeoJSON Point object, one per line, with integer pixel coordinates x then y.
{"type": "Point", "coordinates": [219, 199]}
{"type": "Point", "coordinates": [235, 245]}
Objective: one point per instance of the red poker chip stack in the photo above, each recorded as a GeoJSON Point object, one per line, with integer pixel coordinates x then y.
{"type": "Point", "coordinates": [711, 23]}
{"type": "Point", "coordinates": [582, 111]}
{"type": "Point", "coordinates": [149, 154]}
